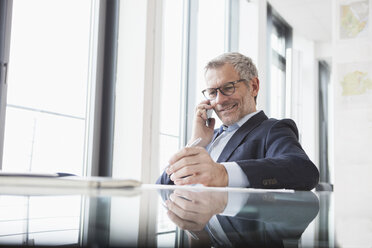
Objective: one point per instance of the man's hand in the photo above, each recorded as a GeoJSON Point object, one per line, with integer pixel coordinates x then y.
{"type": "Point", "coordinates": [192, 210]}
{"type": "Point", "coordinates": [200, 128]}
{"type": "Point", "coordinates": [193, 165]}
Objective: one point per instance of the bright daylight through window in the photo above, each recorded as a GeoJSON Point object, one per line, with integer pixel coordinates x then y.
{"type": "Point", "coordinates": [46, 113]}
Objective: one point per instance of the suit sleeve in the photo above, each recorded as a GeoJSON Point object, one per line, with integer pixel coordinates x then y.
{"type": "Point", "coordinates": [284, 164]}
{"type": "Point", "coordinates": [164, 179]}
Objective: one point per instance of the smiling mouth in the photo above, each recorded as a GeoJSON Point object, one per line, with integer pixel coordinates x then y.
{"type": "Point", "coordinates": [228, 108]}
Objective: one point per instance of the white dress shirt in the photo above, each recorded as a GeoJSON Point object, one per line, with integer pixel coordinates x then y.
{"type": "Point", "coordinates": [237, 177]}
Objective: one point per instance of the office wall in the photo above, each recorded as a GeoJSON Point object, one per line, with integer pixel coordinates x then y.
{"type": "Point", "coordinates": [352, 116]}
{"type": "Point", "coordinates": [352, 89]}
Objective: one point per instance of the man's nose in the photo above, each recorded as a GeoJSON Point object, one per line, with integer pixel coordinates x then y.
{"type": "Point", "coordinates": [220, 97]}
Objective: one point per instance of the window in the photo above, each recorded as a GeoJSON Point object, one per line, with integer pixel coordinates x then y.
{"type": "Point", "coordinates": [211, 40]}
{"type": "Point", "coordinates": [211, 37]}
{"type": "Point", "coordinates": [48, 86]}
{"type": "Point", "coordinates": [279, 44]}
{"type": "Point", "coordinates": [191, 36]}
{"type": "Point", "coordinates": [171, 80]}
{"type": "Point", "coordinates": [171, 90]}
{"type": "Point", "coordinates": [47, 122]}
{"type": "Point", "coordinates": [206, 40]}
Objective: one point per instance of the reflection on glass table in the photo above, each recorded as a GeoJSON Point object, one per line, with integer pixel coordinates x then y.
{"type": "Point", "coordinates": [235, 219]}
{"type": "Point", "coordinates": [39, 220]}
{"type": "Point", "coordinates": [173, 216]}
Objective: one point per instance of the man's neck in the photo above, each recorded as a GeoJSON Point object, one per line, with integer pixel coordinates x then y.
{"type": "Point", "coordinates": [246, 118]}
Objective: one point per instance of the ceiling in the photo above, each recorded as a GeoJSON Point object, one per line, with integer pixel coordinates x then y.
{"type": "Point", "coordinates": [310, 18]}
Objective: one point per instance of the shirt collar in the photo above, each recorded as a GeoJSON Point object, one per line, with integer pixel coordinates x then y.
{"type": "Point", "coordinates": [239, 123]}
{"type": "Point", "coordinates": [246, 118]}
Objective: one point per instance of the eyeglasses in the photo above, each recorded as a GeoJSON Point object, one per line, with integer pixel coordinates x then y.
{"type": "Point", "coordinates": [227, 90]}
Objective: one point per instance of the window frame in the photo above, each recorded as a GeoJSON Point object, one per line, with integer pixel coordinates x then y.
{"type": "Point", "coordinates": [275, 21]}
{"type": "Point", "coordinates": [6, 7]}
{"type": "Point", "coordinates": [324, 78]}
{"type": "Point", "coordinates": [105, 91]}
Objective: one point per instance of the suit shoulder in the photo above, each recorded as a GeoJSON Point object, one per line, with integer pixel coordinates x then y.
{"type": "Point", "coordinates": [273, 121]}
{"type": "Point", "coordinates": [276, 122]}
{"type": "Point", "coordinates": [273, 124]}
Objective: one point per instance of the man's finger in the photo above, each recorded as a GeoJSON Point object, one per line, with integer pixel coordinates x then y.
{"type": "Point", "coordinates": [191, 195]}
{"type": "Point", "coordinates": [183, 203]}
{"type": "Point", "coordinates": [201, 110]}
{"type": "Point", "coordinates": [180, 212]}
{"type": "Point", "coordinates": [204, 104]}
{"type": "Point", "coordinates": [188, 169]}
{"type": "Point", "coordinates": [184, 152]}
{"type": "Point", "coordinates": [193, 179]}
{"type": "Point", "coordinates": [183, 224]}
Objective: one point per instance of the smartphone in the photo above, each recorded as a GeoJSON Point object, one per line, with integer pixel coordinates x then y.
{"type": "Point", "coordinates": [209, 116]}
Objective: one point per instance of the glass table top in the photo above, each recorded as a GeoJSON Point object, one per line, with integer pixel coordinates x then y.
{"type": "Point", "coordinates": [170, 216]}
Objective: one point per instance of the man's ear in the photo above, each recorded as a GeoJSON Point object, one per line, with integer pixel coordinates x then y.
{"type": "Point", "coordinates": [255, 84]}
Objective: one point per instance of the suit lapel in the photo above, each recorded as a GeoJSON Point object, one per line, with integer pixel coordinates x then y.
{"type": "Point", "coordinates": [239, 135]}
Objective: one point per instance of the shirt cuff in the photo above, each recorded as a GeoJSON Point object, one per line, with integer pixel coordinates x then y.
{"type": "Point", "coordinates": [237, 177]}
{"type": "Point", "coordinates": [235, 203]}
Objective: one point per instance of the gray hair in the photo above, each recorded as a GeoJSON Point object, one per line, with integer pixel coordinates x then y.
{"type": "Point", "coordinates": [243, 65]}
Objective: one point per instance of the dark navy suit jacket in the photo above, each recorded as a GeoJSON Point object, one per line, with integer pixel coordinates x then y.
{"type": "Point", "coordinates": [268, 152]}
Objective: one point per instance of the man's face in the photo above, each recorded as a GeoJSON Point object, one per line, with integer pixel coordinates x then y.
{"type": "Point", "coordinates": [231, 109]}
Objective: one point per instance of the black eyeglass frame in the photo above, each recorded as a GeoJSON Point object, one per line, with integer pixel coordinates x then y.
{"type": "Point", "coordinates": [219, 89]}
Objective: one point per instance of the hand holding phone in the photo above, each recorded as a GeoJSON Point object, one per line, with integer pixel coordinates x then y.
{"type": "Point", "coordinates": [203, 122]}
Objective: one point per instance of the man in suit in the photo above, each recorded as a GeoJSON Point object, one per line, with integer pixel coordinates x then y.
{"type": "Point", "coordinates": [249, 150]}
